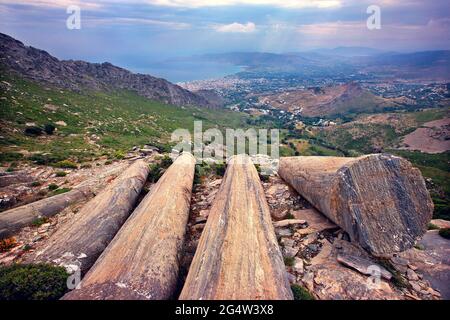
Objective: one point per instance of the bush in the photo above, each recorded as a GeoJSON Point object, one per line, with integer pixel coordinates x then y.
{"type": "Point", "coordinates": [36, 183]}
{"type": "Point", "coordinates": [166, 162]}
{"type": "Point", "coordinates": [432, 226]}
{"type": "Point", "coordinates": [32, 282]}
{"type": "Point", "coordinates": [61, 174]}
{"type": "Point", "coordinates": [157, 169]}
{"type": "Point", "coordinates": [301, 293]}
{"type": "Point", "coordinates": [34, 131]}
{"type": "Point", "coordinates": [220, 169]}
{"type": "Point", "coordinates": [67, 164]}
{"type": "Point", "coordinates": [39, 221]}
{"type": "Point", "coordinates": [44, 159]}
{"type": "Point", "coordinates": [49, 129]}
{"type": "Point", "coordinates": [445, 233]}
{"type": "Point", "coordinates": [119, 155]}
{"type": "Point", "coordinates": [289, 261]}
{"type": "Point", "coordinates": [10, 156]}
{"type": "Point", "coordinates": [7, 244]}
{"type": "Point", "coordinates": [52, 187]}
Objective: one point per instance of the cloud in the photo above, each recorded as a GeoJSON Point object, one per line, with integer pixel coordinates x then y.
{"type": "Point", "coordinates": [237, 28]}
{"type": "Point", "coordinates": [276, 3]}
{"type": "Point", "coordinates": [137, 21]}
{"type": "Point", "coordinates": [55, 3]}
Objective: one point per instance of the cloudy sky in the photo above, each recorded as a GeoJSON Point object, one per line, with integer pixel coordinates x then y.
{"type": "Point", "coordinates": [130, 33]}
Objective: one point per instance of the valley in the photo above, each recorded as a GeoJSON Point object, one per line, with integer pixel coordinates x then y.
{"type": "Point", "coordinates": [72, 126]}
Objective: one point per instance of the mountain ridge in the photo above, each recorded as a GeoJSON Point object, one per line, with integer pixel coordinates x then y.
{"type": "Point", "coordinates": [38, 65]}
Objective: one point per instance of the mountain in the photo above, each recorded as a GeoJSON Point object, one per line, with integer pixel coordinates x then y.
{"type": "Point", "coordinates": [341, 61]}
{"type": "Point", "coordinates": [40, 66]}
{"type": "Point", "coordinates": [330, 101]}
{"type": "Point", "coordinates": [349, 51]}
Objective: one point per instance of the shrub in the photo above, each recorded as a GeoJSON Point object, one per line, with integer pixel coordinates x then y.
{"type": "Point", "coordinates": [39, 221]}
{"type": "Point", "coordinates": [119, 154]}
{"type": "Point", "coordinates": [289, 261]}
{"type": "Point", "coordinates": [166, 162]}
{"type": "Point", "coordinates": [301, 293]}
{"type": "Point", "coordinates": [7, 244]}
{"type": "Point", "coordinates": [432, 226]}
{"type": "Point", "coordinates": [108, 162]}
{"type": "Point", "coordinates": [289, 215]}
{"type": "Point", "coordinates": [32, 282]}
{"type": "Point", "coordinates": [34, 131]}
{"type": "Point", "coordinates": [220, 169]}
{"type": "Point", "coordinates": [157, 169]}
{"type": "Point", "coordinates": [36, 183]}
{"type": "Point", "coordinates": [61, 174]}
{"type": "Point", "coordinates": [44, 159]}
{"type": "Point", "coordinates": [10, 156]}
{"type": "Point", "coordinates": [68, 164]}
{"type": "Point", "coordinates": [52, 187]}
{"type": "Point", "coordinates": [49, 129]}
{"type": "Point", "coordinates": [445, 233]}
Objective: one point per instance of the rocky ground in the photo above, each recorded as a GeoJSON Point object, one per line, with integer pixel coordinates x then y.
{"type": "Point", "coordinates": [318, 254]}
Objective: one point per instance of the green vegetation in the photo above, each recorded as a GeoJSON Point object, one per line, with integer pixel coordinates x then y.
{"type": "Point", "coordinates": [445, 233]}
{"type": "Point", "coordinates": [32, 282]}
{"type": "Point", "coordinates": [7, 244]}
{"type": "Point", "coordinates": [10, 156]}
{"type": "Point", "coordinates": [158, 168]}
{"type": "Point", "coordinates": [289, 261]}
{"type": "Point", "coordinates": [52, 187]}
{"type": "Point", "coordinates": [60, 191]}
{"type": "Point", "coordinates": [61, 173]}
{"type": "Point", "coordinates": [301, 293]}
{"type": "Point", "coordinates": [435, 167]}
{"type": "Point", "coordinates": [36, 184]}
{"type": "Point", "coordinates": [90, 124]}
{"type": "Point", "coordinates": [205, 169]}
{"type": "Point", "coordinates": [39, 221]}
{"type": "Point", "coordinates": [432, 226]}
{"type": "Point", "coordinates": [67, 164]}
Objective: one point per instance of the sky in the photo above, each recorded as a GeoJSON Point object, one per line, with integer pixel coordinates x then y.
{"type": "Point", "coordinates": [133, 33]}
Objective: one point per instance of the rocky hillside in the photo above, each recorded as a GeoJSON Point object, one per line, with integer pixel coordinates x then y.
{"type": "Point", "coordinates": [330, 101]}
{"type": "Point", "coordinates": [40, 66]}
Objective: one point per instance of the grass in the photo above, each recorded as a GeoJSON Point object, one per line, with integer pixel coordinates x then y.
{"type": "Point", "coordinates": [60, 191]}
{"type": "Point", "coordinates": [32, 282]}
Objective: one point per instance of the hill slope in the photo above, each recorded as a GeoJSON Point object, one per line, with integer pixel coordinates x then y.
{"type": "Point", "coordinates": [40, 66]}
{"type": "Point", "coordinates": [90, 123]}
{"type": "Point", "coordinates": [329, 101]}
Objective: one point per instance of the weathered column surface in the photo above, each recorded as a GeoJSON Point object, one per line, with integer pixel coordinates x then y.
{"type": "Point", "coordinates": [238, 255]}
{"type": "Point", "coordinates": [11, 221]}
{"type": "Point", "coordinates": [142, 261]}
{"type": "Point", "coordinates": [80, 242]}
{"type": "Point", "coordinates": [380, 200]}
